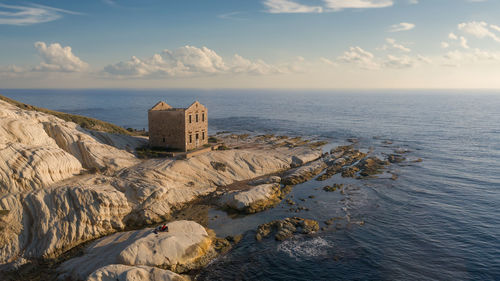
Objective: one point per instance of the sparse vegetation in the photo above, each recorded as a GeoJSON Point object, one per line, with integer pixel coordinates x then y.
{"type": "Point", "coordinates": [84, 122]}
{"type": "Point", "coordinates": [212, 140]}
{"type": "Point", "coordinates": [153, 152]}
{"type": "Point", "coordinates": [223, 147]}
{"type": "Point", "coordinates": [219, 166]}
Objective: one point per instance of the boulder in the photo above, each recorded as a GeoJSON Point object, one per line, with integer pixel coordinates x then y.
{"type": "Point", "coordinates": [254, 200]}
{"type": "Point", "coordinates": [186, 246]}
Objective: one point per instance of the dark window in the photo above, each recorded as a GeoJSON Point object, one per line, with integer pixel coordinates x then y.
{"type": "Point", "coordinates": [197, 136]}
{"type": "Point", "coordinates": [202, 135]}
{"type": "Point", "coordinates": [190, 138]}
{"type": "Point", "coordinates": [203, 117]}
{"type": "Point", "coordinates": [196, 117]}
{"type": "Point", "coordinates": [190, 118]}
{"type": "Point", "coordinates": [163, 139]}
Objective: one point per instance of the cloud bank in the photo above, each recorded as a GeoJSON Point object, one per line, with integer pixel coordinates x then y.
{"type": "Point", "coordinates": [190, 61]}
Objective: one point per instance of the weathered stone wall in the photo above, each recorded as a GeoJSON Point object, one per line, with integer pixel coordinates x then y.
{"type": "Point", "coordinates": [167, 129]}
{"type": "Point", "coordinates": [196, 134]}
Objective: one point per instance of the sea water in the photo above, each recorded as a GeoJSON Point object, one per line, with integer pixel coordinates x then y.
{"type": "Point", "coordinates": [439, 220]}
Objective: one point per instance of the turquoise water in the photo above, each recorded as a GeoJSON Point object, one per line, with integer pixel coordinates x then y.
{"type": "Point", "coordinates": [439, 220]}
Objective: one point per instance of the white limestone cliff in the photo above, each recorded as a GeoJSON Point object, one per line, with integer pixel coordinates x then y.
{"type": "Point", "coordinates": [61, 185]}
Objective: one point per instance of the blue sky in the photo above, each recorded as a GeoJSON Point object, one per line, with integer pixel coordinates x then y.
{"type": "Point", "coordinates": [250, 44]}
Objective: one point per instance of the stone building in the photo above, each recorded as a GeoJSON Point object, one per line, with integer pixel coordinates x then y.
{"type": "Point", "coordinates": [178, 128]}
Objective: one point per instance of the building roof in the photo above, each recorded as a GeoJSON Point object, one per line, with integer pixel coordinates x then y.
{"type": "Point", "coordinates": [161, 105]}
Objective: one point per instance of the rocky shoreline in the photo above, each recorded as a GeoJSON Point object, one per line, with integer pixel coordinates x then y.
{"type": "Point", "coordinates": [71, 197]}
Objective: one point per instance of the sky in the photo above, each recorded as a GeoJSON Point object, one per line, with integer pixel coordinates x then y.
{"type": "Point", "coordinates": [285, 44]}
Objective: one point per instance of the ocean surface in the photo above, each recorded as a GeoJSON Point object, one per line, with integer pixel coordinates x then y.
{"type": "Point", "coordinates": [440, 220]}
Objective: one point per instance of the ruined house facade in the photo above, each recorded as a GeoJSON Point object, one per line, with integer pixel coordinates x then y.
{"type": "Point", "coordinates": [178, 128]}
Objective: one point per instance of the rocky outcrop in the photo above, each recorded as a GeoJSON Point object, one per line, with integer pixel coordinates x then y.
{"type": "Point", "coordinates": [38, 150]}
{"type": "Point", "coordinates": [286, 228]}
{"type": "Point", "coordinates": [61, 185]}
{"type": "Point", "coordinates": [340, 159]}
{"type": "Point", "coordinates": [304, 173]}
{"type": "Point", "coordinates": [301, 159]}
{"type": "Point", "coordinates": [185, 246]}
{"type": "Point", "coordinates": [120, 272]}
{"type": "Point", "coordinates": [44, 223]}
{"type": "Point", "coordinates": [24, 168]}
{"type": "Point", "coordinates": [371, 166]}
{"type": "Point", "coordinates": [254, 200]}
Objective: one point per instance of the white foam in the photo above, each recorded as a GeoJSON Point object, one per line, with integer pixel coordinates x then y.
{"type": "Point", "coordinates": [300, 248]}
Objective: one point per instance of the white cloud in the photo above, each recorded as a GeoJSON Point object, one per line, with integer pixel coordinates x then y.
{"type": "Point", "coordinates": [404, 26]}
{"type": "Point", "coordinates": [452, 36]}
{"type": "Point", "coordinates": [495, 27]}
{"type": "Point", "coordinates": [33, 14]}
{"type": "Point", "coordinates": [457, 58]}
{"type": "Point", "coordinates": [327, 61]}
{"type": "Point", "coordinates": [399, 62]}
{"type": "Point", "coordinates": [357, 4]}
{"type": "Point", "coordinates": [424, 59]}
{"type": "Point", "coordinates": [58, 59]}
{"type": "Point", "coordinates": [190, 61]}
{"type": "Point", "coordinates": [11, 71]}
{"type": "Point", "coordinates": [184, 61]}
{"type": "Point", "coordinates": [360, 57]}
{"type": "Point", "coordinates": [294, 6]}
{"type": "Point", "coordinates": [259, 67]}
{"type": "Point", "coordinates": [479, 29]}
{"type": "Point", "coordinates": [366, 60]}
{"type": "Point", "coordinates": [230, 16]}
{"type": "Point", "coordinates": [445, 45]}
{"type": "Point", "coordinates": [413, 2]}
{"type": "Point", "coordinates": [288, 6]}
{"type": "Point", "coordinates": [394, 45]}
{"type": "Point", "coordinates": [463, 42]}
{"type": "Point", "coordinates": [405, 61]}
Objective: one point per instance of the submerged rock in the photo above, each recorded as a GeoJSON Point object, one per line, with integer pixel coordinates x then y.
{"type": "Point", "coordinates": [350, 172]}
{"type": "Point", "coordinates": [395, 158]}
{"type": "Point", "coordinates": [333, 188]}
{"type": "Point", "coordinates": [286, 228]}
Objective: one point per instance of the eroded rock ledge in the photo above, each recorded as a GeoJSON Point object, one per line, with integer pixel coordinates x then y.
{"type": "Point", "coordinates": [61, 185]}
